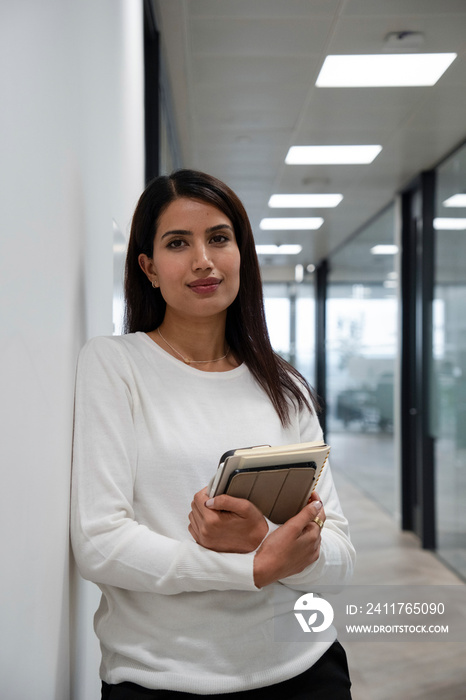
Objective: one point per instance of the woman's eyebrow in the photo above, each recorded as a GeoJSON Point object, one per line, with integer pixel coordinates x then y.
{"type": "Point", "coordinates": [183, 232]}
{"type": "Point", "coordinates": [177, 232]}
{"type": "Point", "coordinates": [219, 227]}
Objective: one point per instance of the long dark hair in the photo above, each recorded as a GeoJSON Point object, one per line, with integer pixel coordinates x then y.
{"type": "Point", "coordinates": [246, 329]}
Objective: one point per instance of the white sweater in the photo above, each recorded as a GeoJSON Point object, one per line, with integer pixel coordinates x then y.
{"type": "Point", "coordinates": [149, 431]}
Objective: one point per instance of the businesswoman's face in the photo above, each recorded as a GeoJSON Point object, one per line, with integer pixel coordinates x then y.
{"type": "Point", "coordinates": [195, 261]}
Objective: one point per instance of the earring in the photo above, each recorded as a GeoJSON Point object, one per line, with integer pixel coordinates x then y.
{"type": "Point", "coordinates": [155, 286]}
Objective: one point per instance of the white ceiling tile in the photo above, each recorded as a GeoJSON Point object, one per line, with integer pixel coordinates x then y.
{"type": "Point", "coordinates": [342, 114]}
{"type": "Point", "coordinates": [248, 104]}
{"type": "Point", "coordinates": [409, 8]}
{"type": "Point", "coordinates": [256, 136]}
{"type": "Point", "coordinates": [447, 106]}
{"type": "Point", "coordinates": [249, 117]}
{"type": "Point", "coordinates": [351, 35]}
{"type": "Point", "coordinates": [273, 71]}
{"type": "Point", "coordinates": [259, 37]}
{"type": "Point", "coordinates": [262, 8]}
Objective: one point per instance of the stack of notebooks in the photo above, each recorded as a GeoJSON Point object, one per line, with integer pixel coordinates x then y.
{"type": "Point", "coordinates": [278, 480]}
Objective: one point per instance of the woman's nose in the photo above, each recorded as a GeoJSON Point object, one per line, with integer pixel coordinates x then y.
{"type": "Point", "coordinates": [201, 258]}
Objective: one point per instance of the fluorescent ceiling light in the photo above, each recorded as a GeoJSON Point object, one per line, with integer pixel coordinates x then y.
{"type": "Point", "coordinates": [449, 224]}
{"type": "Point", "coordinates": [331, 154]}
{"type": "Point", "coordinates": [288, 201]}
{"type": "Point", "coordinates": [285, 249]}
{"type": "Point", "coordinates": [299, 273]}
{"type": "Point", "coordinates": [382, 70]}
{"type": "Point", "coordinates": [457, 200]}
{"type": "Point", "coordinates": [295, 224]}
{"type": "Point", "coordinates": [384, 250]}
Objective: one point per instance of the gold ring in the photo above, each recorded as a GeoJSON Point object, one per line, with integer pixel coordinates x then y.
{"type": "Point", "coordinates": [319, 522]}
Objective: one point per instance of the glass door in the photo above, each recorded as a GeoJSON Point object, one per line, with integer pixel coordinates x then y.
{"type": "Point", "coordinates": [362, 343]}
{"type": "Point", "coordinates": [290, 316]}
{"type": "Point", "coordinates": [449, 360]}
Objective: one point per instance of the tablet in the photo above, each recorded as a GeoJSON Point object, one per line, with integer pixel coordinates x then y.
{"type": "Point", "coordinates": [278, 480]}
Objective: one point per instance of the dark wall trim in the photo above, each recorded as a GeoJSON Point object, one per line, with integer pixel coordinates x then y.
{"type": "Point", "coordinates": [320, 342]}
{"type": "Point", "coordinates": [417, 278]}
{"type": "Point", "coordinates": [408, 409]}
{"type": "Point", "coordinates": [425, 350]}
{"type": "Point", "coordinates": [151, 93]}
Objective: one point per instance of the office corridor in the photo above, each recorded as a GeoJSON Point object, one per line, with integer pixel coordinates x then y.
{"type": "Point", "coordinates": [386, 555]}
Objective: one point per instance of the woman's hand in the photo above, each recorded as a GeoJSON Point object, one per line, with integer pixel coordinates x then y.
{"type": "Point", "coordinates": [226, 524]}
{"type": "Point", "coordinates": [292, 547]}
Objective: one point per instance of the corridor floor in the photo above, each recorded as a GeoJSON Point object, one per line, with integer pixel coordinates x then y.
{"type": "Point", "coordinates": [386, 555]}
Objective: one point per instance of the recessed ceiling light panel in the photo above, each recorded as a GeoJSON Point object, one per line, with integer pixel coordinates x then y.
{"type": "Point", "coordinates": [383, 249]}
{"type": "Point", "coordinates": [284, 249]}
{"type": "Point", "coordinates": [293, 224]}
{"type": "Point", "coordinates": [303, 155]}
{"type": "Point", "coordinates": [457, 200]}
{"type": "Point", "coordinates": [382, 70]}
{"type": "Point", "coordinates": [449, 224]}
{"type": "Point", "coordinates": [290, 201]}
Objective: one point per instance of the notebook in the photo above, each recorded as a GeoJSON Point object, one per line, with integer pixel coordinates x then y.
{"type": "Point", "coordinates": [278, 480]}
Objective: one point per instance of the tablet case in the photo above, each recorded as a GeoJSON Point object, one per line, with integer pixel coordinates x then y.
{"type": "Point", "coordinates": [278, 480]}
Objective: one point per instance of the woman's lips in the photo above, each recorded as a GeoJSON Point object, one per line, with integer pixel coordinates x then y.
{"type": "Point", "coordinates": [205, 286]}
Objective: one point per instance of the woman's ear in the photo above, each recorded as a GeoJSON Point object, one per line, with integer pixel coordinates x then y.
{"type": "Point", "coordinates": [147, 266]}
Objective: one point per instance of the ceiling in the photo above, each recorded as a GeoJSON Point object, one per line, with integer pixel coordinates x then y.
{"type": "Point", "coordinates": [242, 79]}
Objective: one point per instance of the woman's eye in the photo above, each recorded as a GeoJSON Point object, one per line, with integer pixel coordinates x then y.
{"type": "Point", "coordinates": [176, 243]}
{"type": "Point", "coordinates": [219, 238]}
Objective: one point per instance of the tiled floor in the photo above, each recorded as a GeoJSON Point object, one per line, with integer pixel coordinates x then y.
{"type": "Point", "coordinates": [401, 670]}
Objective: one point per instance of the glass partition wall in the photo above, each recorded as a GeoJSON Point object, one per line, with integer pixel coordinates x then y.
{"type": "Point", "coordinates": [290, 315]}
{"type": "Point", "coordinates": [361, 348]}
{"type": "Point", "coordinates": [448, 410]}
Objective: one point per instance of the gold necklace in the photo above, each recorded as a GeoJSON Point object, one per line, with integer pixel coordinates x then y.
{"type": "Point", "coordinates": [186, 359]}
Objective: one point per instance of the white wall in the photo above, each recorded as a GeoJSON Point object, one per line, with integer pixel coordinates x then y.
{"type": "Point", "coordinates": [71, 139]}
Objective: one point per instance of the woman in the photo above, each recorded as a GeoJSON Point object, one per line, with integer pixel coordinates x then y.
{"type": "Point", "coordinates": [190, 584]}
